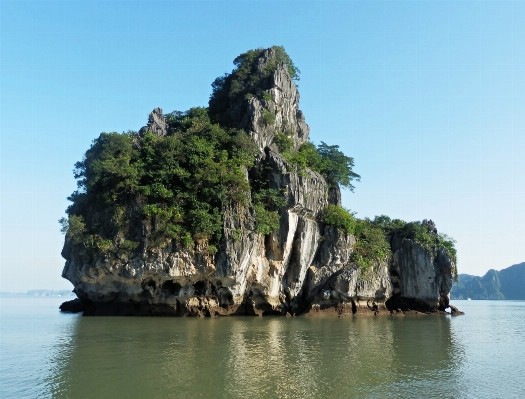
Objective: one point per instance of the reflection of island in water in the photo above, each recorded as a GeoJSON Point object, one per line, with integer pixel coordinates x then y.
{"type": "Point", "coordinates": [258, 357]}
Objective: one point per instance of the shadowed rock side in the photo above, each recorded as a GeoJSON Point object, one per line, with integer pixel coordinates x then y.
{"type": "Point", "coordinates": [304, 266]}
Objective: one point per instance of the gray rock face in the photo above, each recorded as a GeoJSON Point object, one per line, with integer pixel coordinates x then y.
{"type": "Point", "coordinates": [156, 123]}
{"type": "Point", "coordinates": [303, 266]}
{"type": "Point", "coordinates": [335, 280]}
{"type": "Point", "coordinates": [275, 112]}
{"type": "Point", "coordinates": [421, 274]}
{"type": "Point", "coordinates": [283, 106]}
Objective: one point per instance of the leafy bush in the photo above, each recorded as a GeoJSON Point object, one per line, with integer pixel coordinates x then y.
{"type": "Point", "coordinates": [417, 231]}
{"type": "Point", "coordinates": [266, 96]}
{"type": "Point", "coordinates": [74, 227]}
{"type": "Point", "coordinates": [282, 56]}
{"type": "Point", "coordinates": [306, 157]}
{"type": "Point", "coordinates": [267, 221]}
{"type": "Point", "coordinates": [336, 167]}
{"type": "Point", "coordinates": [371, 241]}
{"type": "Point", "coordinates": [270, 197]}
{"type": "Point", "coordinates": [236, 234]}
{"type": "Point", "coordinates": [371, 244]}
{"type": "Point", "coordinates": [283, 142]}
{"type": "Point", "coordinates": [179, 183]}
{"type": "Point", "coordinates": [266, 203]}
{"type": "Point", "coordinates": [449, 243]}
{"type": "Point", "coordinates": [340, 217]}
{"type": "Point", "coordinates": [387, 224]}
{"type": "Point", "coordinates": [186, 240]}
{"type": "Point", "coordinates": [268, 117]}
{"type": "Point", "coordinates": [329, 161]}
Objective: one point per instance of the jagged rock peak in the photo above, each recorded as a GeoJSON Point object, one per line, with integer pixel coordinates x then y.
{"type": "Point", "coordinates": [278, 109]}
{"type": "Point", "coordinates": [263, 101]}
{"type": "Point", "coordinates": [156, 123]}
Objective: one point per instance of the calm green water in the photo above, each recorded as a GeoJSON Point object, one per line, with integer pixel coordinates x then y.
{"type": "Point", "coordinates": [44, 353]}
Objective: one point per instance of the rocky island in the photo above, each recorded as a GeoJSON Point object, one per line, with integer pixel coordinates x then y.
{"type": "Point", "coordinates": [231, 210]}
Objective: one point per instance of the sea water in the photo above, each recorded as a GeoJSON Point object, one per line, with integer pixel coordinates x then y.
{"type": "Point", "coordinates": [44, 353]}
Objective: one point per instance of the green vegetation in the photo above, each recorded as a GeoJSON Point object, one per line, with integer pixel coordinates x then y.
{"type": "Point", "coordinates": [268, 117]}
{"type": "Point", "coordinates": [371, 246]}
{"type": "Point", "coordinates": [449, 243]}
{"type": "Point", "coordinates": [419, 232]}
{"type": "Point", "coordinates": [282, 56]}
{"type": "Point", "coordinates": [284, 142]}
{"type": "Point", "coordinates": [339, 217]}
{"type": "Point", "coordinates": [267, 202]}
{"type": "Point", "coordinates": [373, 243]}
{"type": "Point", "coordinates": [245, 82]}
{"type": "Point", "coordinates": [266, 96]}
{"type": "Point", "coordinates": [326, 159]}
{"type": "Point", "coordinates": [248, 80]}
{"type": "Point", "coordinates": [179, 183]}
{"type": "Point", "coordinates": [143, 189]}
{"type": "Point", "coordinates": [336, 167]}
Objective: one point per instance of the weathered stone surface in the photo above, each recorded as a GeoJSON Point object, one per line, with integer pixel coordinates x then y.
{"type": "Point", "coordinates": [73, 306]}
{"type": "Point", "coordinates": [455, 311]}
{"type": "Point", "coordinates": [156, 123]}
{"type": "Point", "coordinates": [337, 280]}
{"type": "Point", "coordinates": [284, 106]}
{"type": "Point", "coordinates": [421, 274]}
{"type": "Point", "coordinates": [303, 266]}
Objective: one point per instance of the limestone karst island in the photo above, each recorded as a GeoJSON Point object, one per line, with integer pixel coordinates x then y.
{"type": "Point", "coordinates": [231, 210]}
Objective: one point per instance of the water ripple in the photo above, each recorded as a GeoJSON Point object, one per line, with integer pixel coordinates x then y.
{"type": "Point", "coordinates": [48, 354]}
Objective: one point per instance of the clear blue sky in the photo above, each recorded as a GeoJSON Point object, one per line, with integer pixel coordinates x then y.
{"type": "Point", "coordinates": [428, 97]}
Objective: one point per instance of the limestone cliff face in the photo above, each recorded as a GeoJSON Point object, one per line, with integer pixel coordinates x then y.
{"type": "Point", "coordinates": [420, 274]}
{"type": "Point", "coordinates": [303, 266]}
{"type": "Point", "coordinates": [282, 101]}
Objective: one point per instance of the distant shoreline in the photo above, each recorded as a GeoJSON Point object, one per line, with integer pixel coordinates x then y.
{"type": "Point", "coordinates": [508, 283]}
{"type": "Point", "coordinates": [40, 293]}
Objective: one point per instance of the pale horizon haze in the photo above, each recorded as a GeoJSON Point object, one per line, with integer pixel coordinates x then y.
{"type": "Point", "coordinates": [427, 97]}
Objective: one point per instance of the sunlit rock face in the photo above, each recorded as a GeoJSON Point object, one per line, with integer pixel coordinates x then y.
{"type": "Point", "coordinates": [156, 123]}
{"type": "Point", "coordinates": [304, 266]}
{"type": "Point", "coordinates": [282, 103]}
{"type": "Point", "coordinates": [420, 276]}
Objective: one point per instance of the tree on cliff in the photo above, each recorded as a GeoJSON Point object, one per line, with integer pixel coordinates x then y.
{"type": "Point", "coordinates": [179, 182]}
{"type": "Point", "coordinates": [328, 160]}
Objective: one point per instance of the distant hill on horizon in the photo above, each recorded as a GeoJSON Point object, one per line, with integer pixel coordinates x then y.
{"type": "Point", "coordinates": [42, 292]}
{"type": "Point", "coordinates": [507, 283]}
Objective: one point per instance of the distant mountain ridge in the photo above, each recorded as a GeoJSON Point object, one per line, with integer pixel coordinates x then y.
{"type": "Point", "coordinates": [507, 283]}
